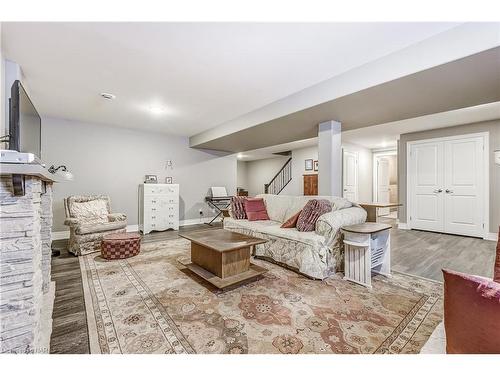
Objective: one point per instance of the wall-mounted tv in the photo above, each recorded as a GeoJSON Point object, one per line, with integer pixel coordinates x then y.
{"type": "Point", "coordinates": [25, 125]}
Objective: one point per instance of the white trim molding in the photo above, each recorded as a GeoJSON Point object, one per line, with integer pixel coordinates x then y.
{"type": "Point", "coordinates": [403, 226]}
{"type": "Point", "coordinates": [64, 234]}
{"type": "Point", "coordinates": [491, 237]}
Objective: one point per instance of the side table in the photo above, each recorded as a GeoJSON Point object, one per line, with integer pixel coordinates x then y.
{"type": "Point", "coordinates": [367, 249]}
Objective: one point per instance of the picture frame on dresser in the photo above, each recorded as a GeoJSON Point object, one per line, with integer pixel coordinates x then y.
{"type": "Point", "coordinates": [150, 179]}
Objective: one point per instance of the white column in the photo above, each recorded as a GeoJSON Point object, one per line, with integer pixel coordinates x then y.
{"type": "Point", "coordinates": [330, 158]}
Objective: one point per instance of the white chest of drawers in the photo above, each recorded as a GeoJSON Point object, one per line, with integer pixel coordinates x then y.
{"type": "Point", "coordinates": [158, 207]}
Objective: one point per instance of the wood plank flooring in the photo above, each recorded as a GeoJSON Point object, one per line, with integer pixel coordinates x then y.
{"type": "Point", "coordinates": [426, 253]}
{"type": "Point", "coordinates": [414, 252]}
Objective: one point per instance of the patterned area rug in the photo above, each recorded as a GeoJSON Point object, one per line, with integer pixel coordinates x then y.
{"type": "Point", "coordinates": [153, 304]}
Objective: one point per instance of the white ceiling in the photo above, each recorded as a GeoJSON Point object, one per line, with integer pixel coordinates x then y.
{"type": "Point", "coordinates": [386, 135]}
{"type": "Point", "coordinates": [202, 74]}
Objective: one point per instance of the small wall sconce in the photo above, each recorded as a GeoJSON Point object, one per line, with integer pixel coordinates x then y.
{"type": "Point", "coordinates": [62, 171]}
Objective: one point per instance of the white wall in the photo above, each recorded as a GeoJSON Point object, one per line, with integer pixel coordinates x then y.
{"type": "Point", "coordinates": [263, 170]}
{"type": "Point", "coordinates": [113, 161]}
{"type": "Point", "coordinates": [2, 90]}
{"type": "Point", "coordinates": [260, 172]}
{"type": "Point", "coordinates": [241, 176]}
{"type": "Point", "coordinates": [296, 186]}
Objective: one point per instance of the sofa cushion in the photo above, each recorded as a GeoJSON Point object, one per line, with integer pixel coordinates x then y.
{"type": "Point", "coordinates": [277, 206]}
{"type": "Point", "coordinates": [291, 222]}
{"type": "Point", "coordinates": [310, 214]}
{"type": "Point", "coordinates": [273, 228]}
{"type": "Point", "coordinates": [230, 223]}
{"type": "Point", "coordinates": [256, 209]}
{"type": "Point", "coordinates": [471, 313]}
{"type": "Point", "coordinates": [496, 271]}
{"type": "Point", "coordinates": [238, 207]}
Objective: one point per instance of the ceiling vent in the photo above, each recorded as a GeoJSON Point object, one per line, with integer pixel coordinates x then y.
{"type": "Point", "coordinates": [108, 96]}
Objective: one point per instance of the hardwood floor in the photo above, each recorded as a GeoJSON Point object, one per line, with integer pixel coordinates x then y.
{"type": "Point", "coordinates": [69, 326]}
{"type": "Point", "coordinates": [426, 253]}
{"type": "Point", "coordinates": [414, 252]}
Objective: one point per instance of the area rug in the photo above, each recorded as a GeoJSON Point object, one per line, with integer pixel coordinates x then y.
{"type": "Point", "coordinates": [152, 304]}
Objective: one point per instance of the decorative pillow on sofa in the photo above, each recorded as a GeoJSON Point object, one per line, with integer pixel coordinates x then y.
{"type": "Point", "coordinates": [256, 209]}
{"type": "Point", "coordinates": [291, 222]}
{"type": "Point", "coordinates": [471, 313]}
{"type": "Point", "coordinates": [238, 207]}
{"type": "Point", "coordinates": [311, 212]}
{"type": "Point", "coordinates": [496, 271]}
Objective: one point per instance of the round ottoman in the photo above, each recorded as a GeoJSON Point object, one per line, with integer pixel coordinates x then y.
{"type": "Point", "coordinates": [120, 245]}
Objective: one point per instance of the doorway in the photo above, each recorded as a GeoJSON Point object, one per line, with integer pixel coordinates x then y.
{"type": "Point", "coordinates": [350, 175]}
{"type": "Point", "coordinates": [385, 180]}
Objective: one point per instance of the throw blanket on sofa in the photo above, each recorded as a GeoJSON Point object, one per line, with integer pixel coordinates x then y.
{"type": "Point", "coordinates": [316, 254]}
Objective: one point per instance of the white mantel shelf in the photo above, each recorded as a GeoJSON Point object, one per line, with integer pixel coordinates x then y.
{"type": "Point", "coordinates": [29, 170]}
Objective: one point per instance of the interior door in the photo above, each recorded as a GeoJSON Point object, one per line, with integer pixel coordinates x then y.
{"type": "Point", "coordinates": [463, 185]}
{"type": "Point", "coordinates": [350, 176]}
{"type": "Point", "coordinates": [383, 188]}
{"type": "Point", "coordinates": [426, 186]}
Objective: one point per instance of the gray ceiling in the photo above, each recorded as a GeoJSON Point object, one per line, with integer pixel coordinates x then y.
{"type": "Point", "coordinates": [462, 83]}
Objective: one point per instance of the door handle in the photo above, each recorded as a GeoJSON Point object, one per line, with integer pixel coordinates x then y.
{"type": "Point", "coordinates": [449, 191]}
{"type": "Point", "coordinates": [438, 191]}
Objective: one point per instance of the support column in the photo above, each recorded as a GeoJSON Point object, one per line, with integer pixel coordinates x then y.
{"type": "Point", "coordinates": [330, 158]}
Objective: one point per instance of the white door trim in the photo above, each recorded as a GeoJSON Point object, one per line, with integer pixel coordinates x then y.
{"type": "Point", "coordinates": [486, 185]}
{"type": "Point", "coordinates": [375, 157]}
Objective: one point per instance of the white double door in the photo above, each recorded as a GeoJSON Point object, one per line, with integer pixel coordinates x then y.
{"type": "Point", "coordinates": [446, 186]}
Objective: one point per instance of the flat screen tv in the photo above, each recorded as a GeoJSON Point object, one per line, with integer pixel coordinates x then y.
{"type": "Point", "coordinates": [25, 125]}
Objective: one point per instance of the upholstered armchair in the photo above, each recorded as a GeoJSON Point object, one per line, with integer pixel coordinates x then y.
{"type": "Point", "coordinates": [89, 219]}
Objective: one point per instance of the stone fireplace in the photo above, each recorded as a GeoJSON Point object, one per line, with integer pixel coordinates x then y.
{"type": "Point", "coordinates": [26, 290]}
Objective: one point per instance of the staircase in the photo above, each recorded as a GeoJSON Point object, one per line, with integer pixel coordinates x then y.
{"type": "Point", "coordinates": [282, 178]}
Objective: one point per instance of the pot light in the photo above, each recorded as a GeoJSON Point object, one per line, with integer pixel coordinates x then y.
{"type": "Point", "coordinates": [156, 110]}
{"type": "Point", "coordinates": [108, 96]}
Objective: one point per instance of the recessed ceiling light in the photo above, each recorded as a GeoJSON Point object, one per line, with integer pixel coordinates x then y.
{"type": "Point", "coordinates": [108, 96]}
{"type": "Point", "coordinates": [156, 110]}
{"type": "Point", "coordinates": [240, 156]}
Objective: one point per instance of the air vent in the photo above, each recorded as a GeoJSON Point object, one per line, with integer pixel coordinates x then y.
{"type": "Point", "coordinates": [108, 96]}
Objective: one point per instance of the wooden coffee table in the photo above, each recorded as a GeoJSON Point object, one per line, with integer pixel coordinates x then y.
{"type": "Point", "coordinates": [222, 257]}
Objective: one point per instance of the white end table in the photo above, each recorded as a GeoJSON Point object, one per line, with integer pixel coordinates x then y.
{"type": "Point", "coordinates": [367, 249]}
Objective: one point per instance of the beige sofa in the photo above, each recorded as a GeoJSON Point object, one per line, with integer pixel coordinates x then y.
{"type": "Point", "coordinates": [315, 254]}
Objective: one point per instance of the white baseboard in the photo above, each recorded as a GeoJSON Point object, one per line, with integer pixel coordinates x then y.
{"type": "Point", "coordinates": [491, 237]}
{"type": "Point", "coordinates": [403, 226]}
{"type": "Point", "coordinates": [62, 235]}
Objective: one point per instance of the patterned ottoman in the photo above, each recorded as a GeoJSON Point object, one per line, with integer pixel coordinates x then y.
{"type": "Point", "coordinates": [120, 245]}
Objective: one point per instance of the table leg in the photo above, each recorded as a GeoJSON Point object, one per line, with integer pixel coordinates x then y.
{"type": "Point", "coordinates": [371, 214]}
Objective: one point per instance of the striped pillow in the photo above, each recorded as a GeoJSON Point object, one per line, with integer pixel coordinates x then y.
{"type": "Point", "coordinates": [238, 208]}
{"type": "Point", "coordinates": [310, 214]}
